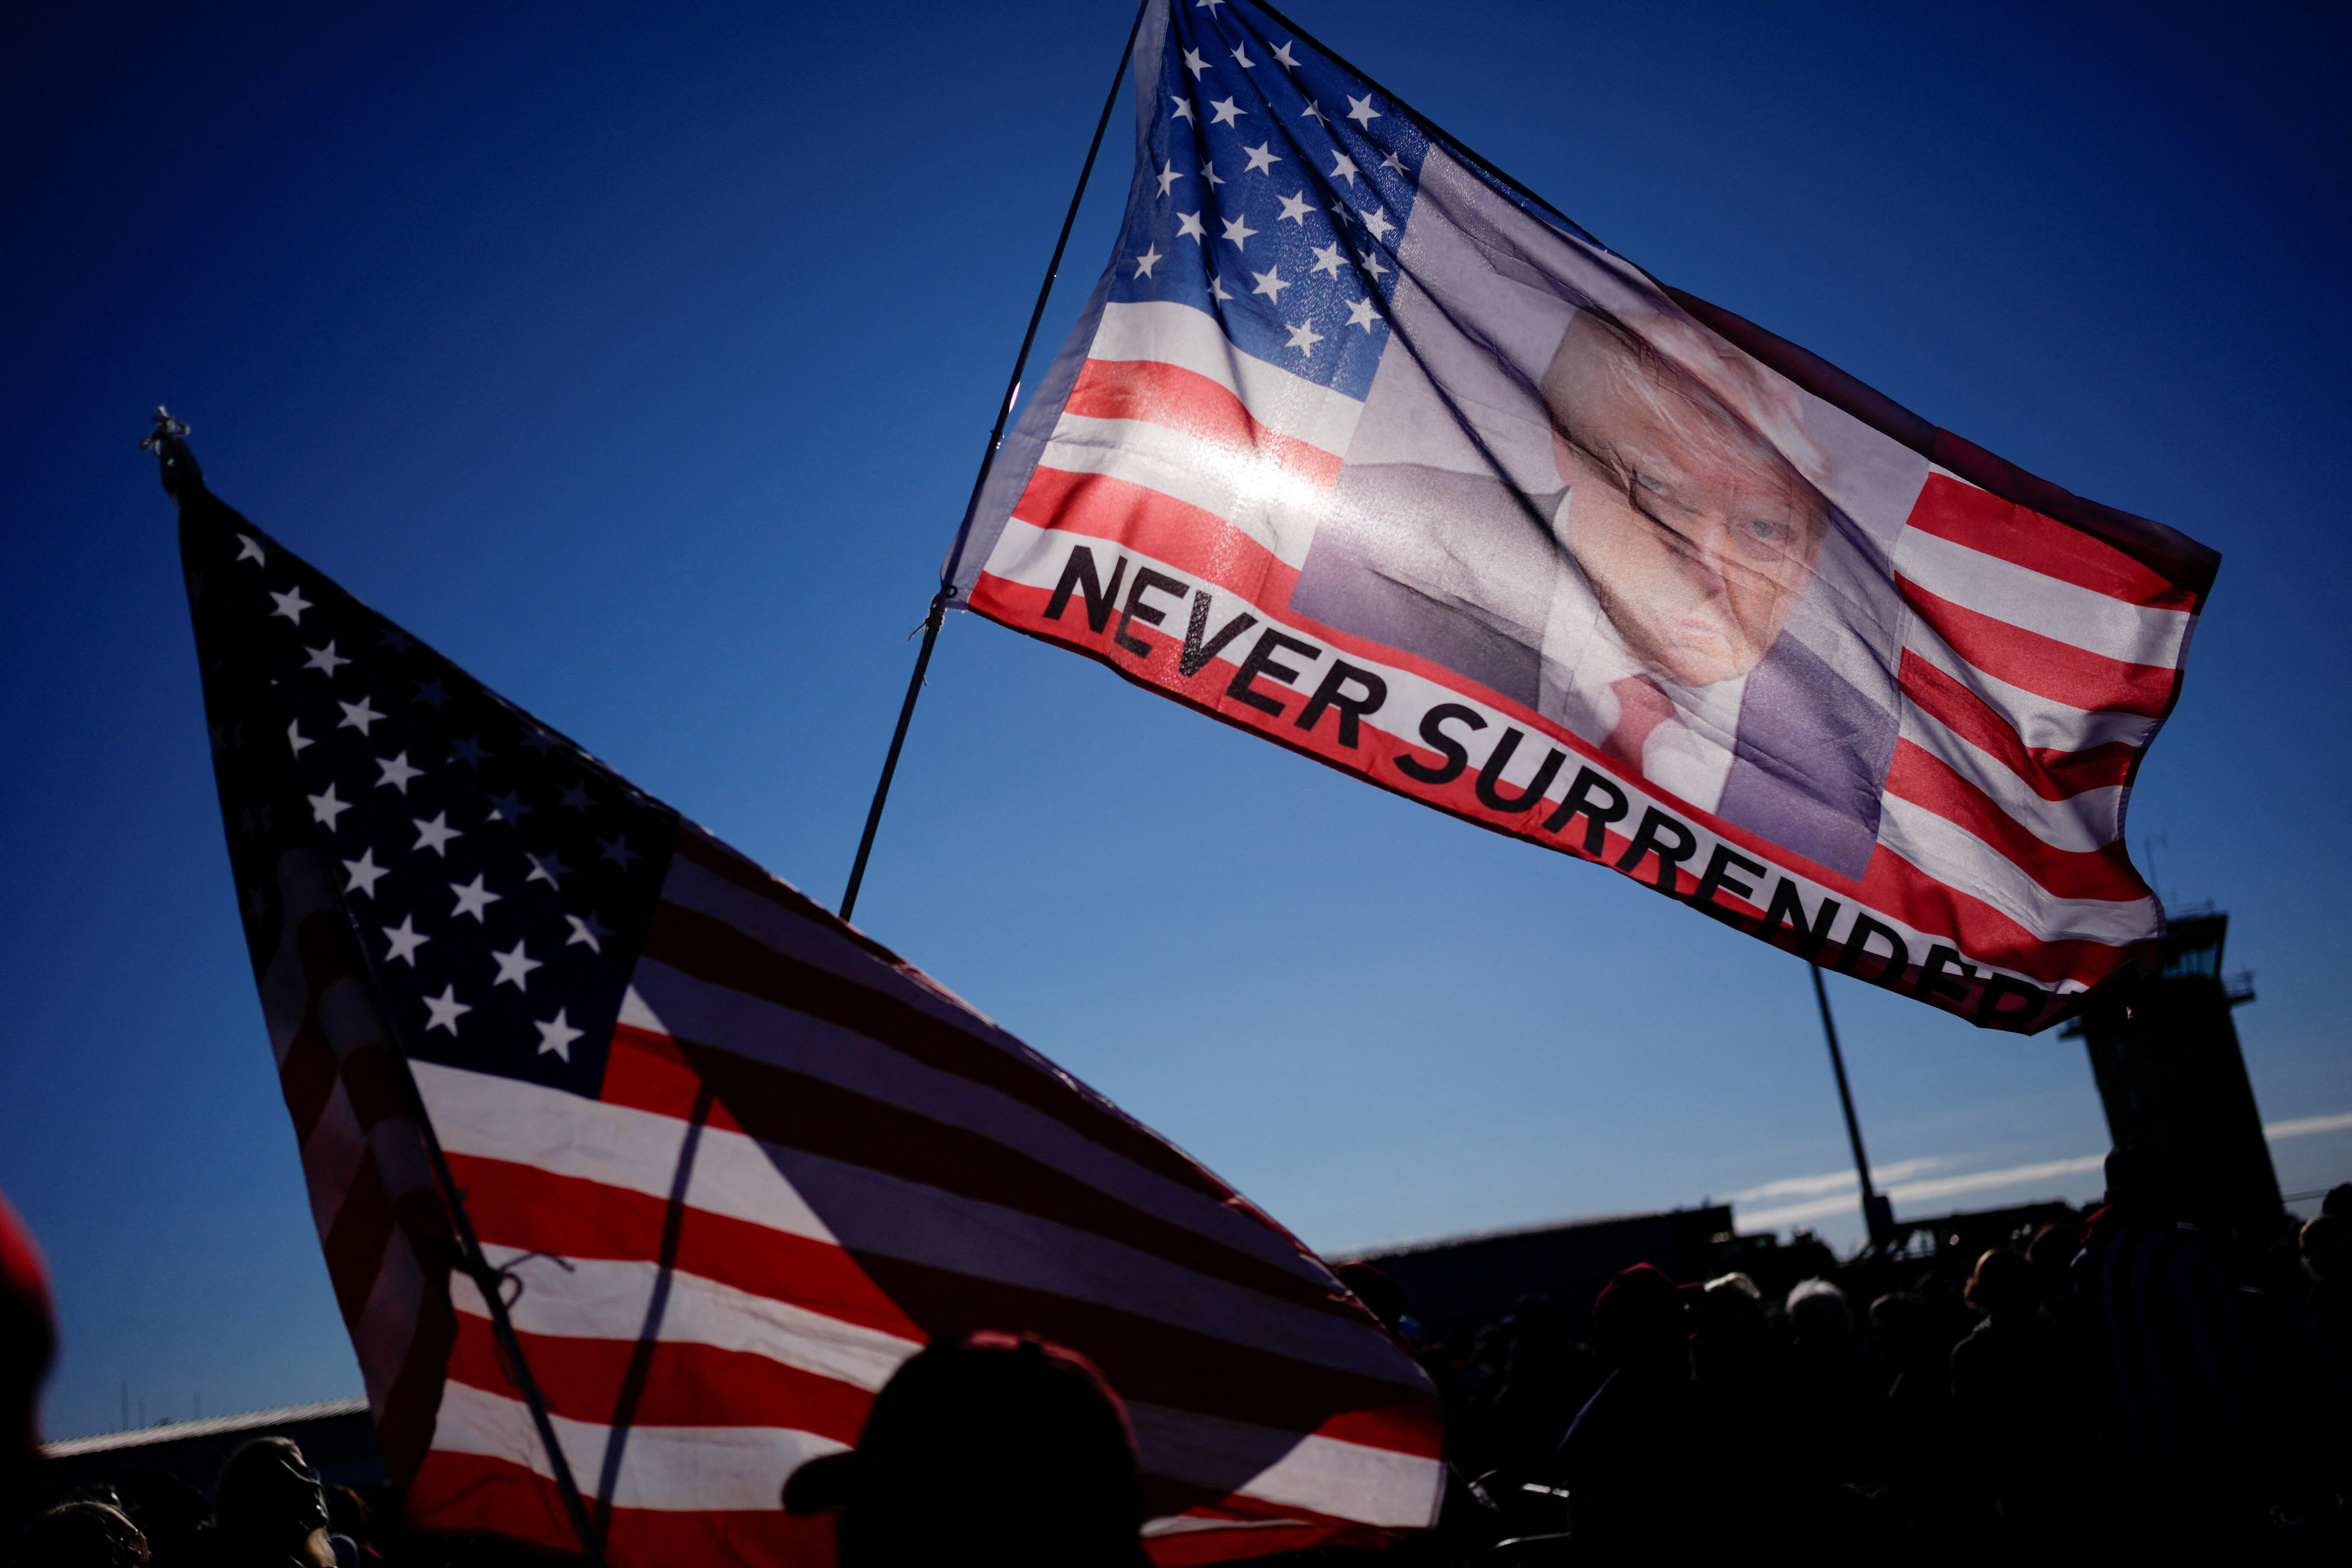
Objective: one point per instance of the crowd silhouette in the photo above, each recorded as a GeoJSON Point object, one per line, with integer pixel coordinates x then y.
{"type": "Point", "coordinates": [2118, 1386]}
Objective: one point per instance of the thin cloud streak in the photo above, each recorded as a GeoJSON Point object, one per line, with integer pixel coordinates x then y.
{"type": "Point", "coordinates": [1838, 1192]}
{"type": "Point", "coordinates": [1835, 1181]}
{"type": "Point", "coordinates": [2302, 1126]}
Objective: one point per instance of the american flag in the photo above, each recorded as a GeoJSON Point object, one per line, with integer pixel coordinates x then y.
{"type": "Point", "coordinates": [733, 1161]}
{"type": "Point", "coordinates": [1299, 244]}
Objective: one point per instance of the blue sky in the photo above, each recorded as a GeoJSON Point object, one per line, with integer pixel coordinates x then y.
{"type": "Point", "coordinates": [639, 360]}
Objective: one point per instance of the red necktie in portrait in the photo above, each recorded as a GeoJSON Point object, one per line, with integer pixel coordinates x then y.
{"type": "Point", "coordinates": [1642, 706]}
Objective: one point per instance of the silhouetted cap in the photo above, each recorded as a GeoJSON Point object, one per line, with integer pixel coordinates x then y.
{"type": "Point", "coordinates": [999, 1448]}
{"type": "Point", "coordinates": [1639, 1313]}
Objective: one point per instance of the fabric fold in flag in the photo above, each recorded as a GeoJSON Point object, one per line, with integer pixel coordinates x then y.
{"type": "Point", "coordinates": [735, 1162]}
{"type": "Point", "coordinates": [1357, 446]}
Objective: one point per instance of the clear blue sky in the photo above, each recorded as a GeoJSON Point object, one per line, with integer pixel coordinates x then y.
{"type": "Point", "coordinates": [639, 357]}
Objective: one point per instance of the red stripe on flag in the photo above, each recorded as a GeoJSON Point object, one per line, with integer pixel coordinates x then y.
{"type": "Point", "coordinates": [799, 1110]}
{"type": "Point", "coordinates": [647, 1071]}
{"type": "Point", "coordinates": [2052, 774]}
{"type": "Point", "coordinates": [1186, 401]}
{"type": "Point", "coordinates": [473, 1494]}
{"type": "Point", "coordinates": [713, 951]}
{"type": "Point", "coordinates": [2044, 666]}
{"type": "Point", "coordinates": [1098, 509]}
{"type": "Point", "coordinates": [1894, 887]}
{"type": "Point", "coordinates": [1187, 537]}
{"type": "Point", "coordinates": [2166, 550]}
{"type": "Point", "coordinates": [685, 1385]}
{"type": "Point", "coordinates": [517, 1206]}
{"type": "Point", "coordinates": [354, 1241]}
{"type": "Point", "coordinates": [403, 1422]}
{"type": "Point", "coordinates": [709, 853]}
{"type": "Point", "coordinates": [1923, 778]}
{"type": "Point", "coordinates": [1890, 884]}
{"type": "Point", "coordinates": [1405, 1428]}
{"type": "Point", "coordinates": [1145, 1360]}
{"type": "Point", "coordinates": [307, 1074]}
{"type": "Point", "coordinates": [1950, 509]}
{"type": "Point", "coordinates": [370, 1231]}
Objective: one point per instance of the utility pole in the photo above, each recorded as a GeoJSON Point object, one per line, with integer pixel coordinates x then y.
{"type": "Point", "coordinates": [1878, 1212]}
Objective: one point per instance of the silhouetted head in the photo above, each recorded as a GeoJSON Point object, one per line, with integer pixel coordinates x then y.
{"type": "Point", "coordinates": [2327, 1246]}
{"type": "Point", "coordinates": [2003, 1285]}
{"type": "Point", "coordinates": [1730, 1302]}
{"type": "Point", "coordinates": [269, 1494]}
{"type": "Point", "coordinates": [2338, 1201]}
{"type": "Point", "coordinates": [2051, 1254]}
{"type": "Point", "coordinates": [83, 1535]}
{"type": "Point", "coordinates": [1000, 1450]}
{"type": "Point", "coordinates": [1819, 1317]}
{"type": "Point", "coordinates": [1638, 1318]}
{"type": "Point", "coordinates": [2140, 1179]}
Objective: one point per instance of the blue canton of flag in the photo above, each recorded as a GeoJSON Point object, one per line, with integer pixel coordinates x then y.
{"type": "Point", "coordinates": [499, 881]}
{"type": "Point", "coordinates": [1279, 188]}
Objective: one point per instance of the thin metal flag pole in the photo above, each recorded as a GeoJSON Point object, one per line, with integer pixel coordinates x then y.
{"type": "Point", "coordinates": [940, 600]}
{"type": "Point", "coordinates": [1876, 1214]}
{"type": "Point", "coordinates": [184, 480]}
{"type": "Point", "coordinates": [492, 1282]}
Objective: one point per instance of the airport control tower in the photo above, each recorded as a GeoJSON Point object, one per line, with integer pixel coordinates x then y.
{"type": "Point", "coordinates": [2170, 1074]}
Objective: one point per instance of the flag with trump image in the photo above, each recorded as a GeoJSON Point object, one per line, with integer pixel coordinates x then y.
{"type": "Point", "coordinates": [732, 1162]}
{"type": "Point", "coordinates": [1361, 447]}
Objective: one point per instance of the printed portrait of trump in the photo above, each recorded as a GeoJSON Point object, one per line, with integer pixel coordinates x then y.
{"type": "Point", "coordinates": [1644, 587]}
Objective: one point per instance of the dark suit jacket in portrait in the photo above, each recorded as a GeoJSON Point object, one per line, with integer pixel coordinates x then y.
{"type": "Point", "coordinates": [1460, 569]}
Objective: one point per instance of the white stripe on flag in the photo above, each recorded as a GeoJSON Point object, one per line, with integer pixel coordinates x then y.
{"type": "Point", "coordinates": [1328, 1475]}
{"type": "Point", "coordinates": [1194, 1524]}
{"type": "Point", "coordinates": [2080, 822]}
{"type": "Point", "coordinates": [946, 1230]}
{"type": "Point", "coordinates": [2059, 610]}
{"type": "Point", "coordinates": [2042, 724]}
{"type": "Point", "coordinates": [1191, 340]}
{"type": "Point", "coordinates": [604, 1298]}
{"type": "Point", "coordinates": [1952, 854]}
{"type": "Point", "coordinates": [1272, 503]}
{"type": "Point", "coordinates": [332, 1155]}
{"type": "Point", "coordinates": [772, 921]}
{"type": "Point", "coordinates": [388, 1322]}
{"type": "Point", "coordinates": [494, 1118]}
{"type": "Point", "coordinates": [672, 1469]}
{"type": "Point", "coordinates": [770, 1032]}
{"type": "Point", "coordinates": [1350, 1480]}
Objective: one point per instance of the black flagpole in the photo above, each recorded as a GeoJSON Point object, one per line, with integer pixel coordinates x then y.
{"type": "Point", "coordinates": [491, 1281]}
{"type": "Point", "coordinates": [940, 601]}
{"type": "Point", "coordinates": [185, 481]}
{"type": "Point", "coordinates": [1877, 1214]}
